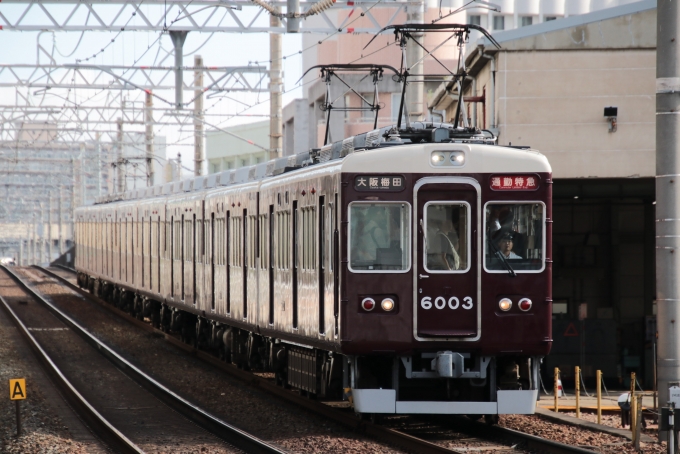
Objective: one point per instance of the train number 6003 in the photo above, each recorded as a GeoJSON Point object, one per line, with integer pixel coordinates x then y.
{"type": "Point", "coordinates": [440, 303]}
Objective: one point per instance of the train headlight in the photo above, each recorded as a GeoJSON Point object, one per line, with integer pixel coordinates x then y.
{"type": "Point", "coordinates": [457, 158]}
{"type": "Point", "coordinates": [505, 304]}
{"type": "Point", "coordinates": [438, 158]}
{"type": "Point", "coordinates": [368, 304]}
{"type": "Point", "coordinates": [524, 304]}
{"type": "Point", "coordinates": [387, 304]}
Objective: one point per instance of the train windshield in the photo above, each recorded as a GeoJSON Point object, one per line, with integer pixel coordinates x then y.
{"type": "Point", "coordinates": [379, 237]}
{"type": "Point", "coordinates": [447, 241]}
{"type": "Point", "coordinates": [514, 237]}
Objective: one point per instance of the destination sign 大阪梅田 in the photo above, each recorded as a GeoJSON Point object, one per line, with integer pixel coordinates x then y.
{"type": "Point", "coordinates": [379, 183]}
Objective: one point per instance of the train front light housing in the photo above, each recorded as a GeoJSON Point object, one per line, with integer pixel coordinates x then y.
{"type": "Point", "coordinates": [524, 304]}
{"type": "Point", "coordinates": [457, 158]}
{"type": "Point", "coordinates": [438, 158]}
{"type": "Point", "coordinates": [387, 304]}
{"type": "Point", "coordinates": [505, 304]}
{"type": "Point", "coordinates": [368, 304]}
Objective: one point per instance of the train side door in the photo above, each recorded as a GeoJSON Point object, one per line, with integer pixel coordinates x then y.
{"type": "Point", "coordinates": [447, 302]}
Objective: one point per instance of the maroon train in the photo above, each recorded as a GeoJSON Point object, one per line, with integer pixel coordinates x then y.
{"type": "Point", "coordinates": [411, 275]}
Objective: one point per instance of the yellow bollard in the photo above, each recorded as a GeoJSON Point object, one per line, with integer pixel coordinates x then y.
{"type": "Point", "coordinates": [577, 390]}
{"type": "Point", "coordinates": [555, 389]}
{"type": "Point", "coordinates": [599, 396]}
{"type": "Point", "coordinates": [633, 405]}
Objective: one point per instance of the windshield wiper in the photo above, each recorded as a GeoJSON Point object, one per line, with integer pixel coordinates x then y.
{"type": "Point", "coordinates": [504, 260]}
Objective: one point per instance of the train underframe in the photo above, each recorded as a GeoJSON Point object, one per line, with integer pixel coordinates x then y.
{"type": "Point", "coordinates": [428, 382]}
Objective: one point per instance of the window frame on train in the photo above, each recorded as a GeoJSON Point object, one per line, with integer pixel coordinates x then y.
{"type": "Point", "coordinates": [407, 234]}
{"type": "Point", "coordinates": [468, 242]}
{"type": "Point", "coordinates": [486, 252]}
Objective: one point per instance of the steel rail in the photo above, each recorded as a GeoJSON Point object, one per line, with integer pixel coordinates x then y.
{"type": "Point", "coordinates": [102, 429]}
{"type": "Point", "coordinates": [212, 424]}
{"type": "Point", "coordinates": [481, 430]}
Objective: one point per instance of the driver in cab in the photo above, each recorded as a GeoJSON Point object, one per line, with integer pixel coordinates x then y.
{"type": "Point", "coordinates": [505, 244]}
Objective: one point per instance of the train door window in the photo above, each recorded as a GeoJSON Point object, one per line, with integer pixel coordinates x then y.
{"type": "Point", "coordinates": [195, 251]}
{"type": "Point", "coordinates": [514, 237]}
{"type": "Point", "coordinates": [295, 253]}
{"type": "Point", "coordinates": [270, 244]}
{"type": "Point", "coordinates": [263, 242]}
{"type": "Point", "coordinates": [246, 238]}
{"type": "Point", "coordinates": [213, 260]}
{"type": "Point", "coordinates": [379, 237]}
{"type": "Point", "coordinates": [334, 256]}
{"type": "Point", "coordinates": [142, 251]}
{"type": "Point", "coordinates": [447, 238]}
{"type": "Point", "coordinates": [322, 270]}
{"type": "Point", "coordinates": [229, 248]}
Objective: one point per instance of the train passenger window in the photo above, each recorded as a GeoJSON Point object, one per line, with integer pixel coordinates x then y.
{"type": "Point", "coordinates": [308, 232]}
{"type": "Point", "coordinates": [514, 237]}
{"type": "Point", "coordinates": [379, 237]}
{"type": "Point", "coordinates": [447, 238]}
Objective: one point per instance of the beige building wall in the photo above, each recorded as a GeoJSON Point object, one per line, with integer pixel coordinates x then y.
{"type": "Point", "coordinates": [555, 100]}
{"type": "Point", "coordinates": [551, 89]}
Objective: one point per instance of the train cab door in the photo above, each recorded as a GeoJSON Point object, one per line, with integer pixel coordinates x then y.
{"type": "Point", "coordinates": [447, 283]}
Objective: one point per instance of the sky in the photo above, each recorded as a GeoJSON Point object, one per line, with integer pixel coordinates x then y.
{"type": "Point", "coordinates": [149, 48]}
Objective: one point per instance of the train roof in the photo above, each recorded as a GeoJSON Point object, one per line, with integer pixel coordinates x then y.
{"type": "Point", "coordinates": [386, 141]}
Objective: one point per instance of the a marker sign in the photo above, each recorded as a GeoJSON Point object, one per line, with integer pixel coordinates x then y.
{"type": "Point", "coordinates": [17, 389]}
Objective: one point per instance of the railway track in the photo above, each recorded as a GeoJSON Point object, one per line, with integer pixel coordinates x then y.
{"type": "Point", "coordinates": [128, 416]}
{"type": "Point", "coordinates": [408, 433]}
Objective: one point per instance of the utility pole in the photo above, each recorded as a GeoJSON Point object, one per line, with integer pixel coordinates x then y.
{"type": "Point", "coordinates": [275, 92]}
{"type": "Point", "coordinates": [199, 152]}
{"type": "Point", "coordinates": [414, 58]}
{"type": "Point", "coordinates": [667, 181]}
{"type": "Point", "coordinates": [148, 122]}
{"type": "Point", "coordinates": [120, 174]}
{"type": "Point", "coordinates": [178, 38]}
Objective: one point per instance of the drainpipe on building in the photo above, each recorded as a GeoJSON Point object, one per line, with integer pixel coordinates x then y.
{"type": "Point", "coordinates": [667, 197]}
{"type": "Point", "coordinates": [492, 89]}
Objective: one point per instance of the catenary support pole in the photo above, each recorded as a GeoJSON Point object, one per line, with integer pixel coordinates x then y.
{"type": "Point", "coordinates": [199, 151]}
{"type": "Point", "coordinates": [148, 137]}
{"type": "Point", "coordinates": [667, 195]}
{"type": "Point", "coordinates": [120, 171]}
{"type": "Point", "coordinates": [178, 38]}
{"type": "Point", "coordinates": [49, 228]}
{"type": "Point", "coordinates": [275, 92]}
{"type": "Point", "coordinates": [60, 230]}
{"type": "Point", "coordinates": [414, 55]}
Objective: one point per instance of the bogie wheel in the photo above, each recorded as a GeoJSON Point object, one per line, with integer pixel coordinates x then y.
{"type": "Point", "coordinates": [491, 420]}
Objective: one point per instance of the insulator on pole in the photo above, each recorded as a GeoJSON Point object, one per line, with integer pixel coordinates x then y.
{"type": "Point", "coordinates": [319, 7]}
{"type": "Point", "coordinates": [272, 9]}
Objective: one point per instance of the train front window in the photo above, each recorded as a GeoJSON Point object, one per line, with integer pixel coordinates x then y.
{"type": "Point", "coordinates": [514, 237]}
{"type": "Point", "coordinates": [447, 247]}
{"type": "Point", "coordinates": [379, 237]}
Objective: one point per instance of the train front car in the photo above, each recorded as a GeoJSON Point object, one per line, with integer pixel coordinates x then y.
{"type": "Point", "coordinates": [446, 296]}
